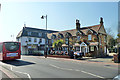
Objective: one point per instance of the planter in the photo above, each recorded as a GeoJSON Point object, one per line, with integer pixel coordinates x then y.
{"type": "Point", "coordinates": [59, 56]}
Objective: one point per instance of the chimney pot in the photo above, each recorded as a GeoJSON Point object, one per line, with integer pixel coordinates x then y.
{"type": "Point", "coordinates": [101, 21]}
{"type": "Point", "coordinates": [77, 24]}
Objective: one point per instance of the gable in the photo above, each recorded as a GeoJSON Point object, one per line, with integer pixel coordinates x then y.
{"type": "Point", "coordinates": [89, 31]}
{"type": "Point", "coordinates": [83, 44]}
{"type": "Point", "coordinates": [102, 30]}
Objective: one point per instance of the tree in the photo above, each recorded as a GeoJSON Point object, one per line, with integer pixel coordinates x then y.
{"type": "Point", "coordinates": [111, 41]}
{"type": "Point", "coordinates": [118, 35]}
{"type": "Point", "coordinates": [58, 44]}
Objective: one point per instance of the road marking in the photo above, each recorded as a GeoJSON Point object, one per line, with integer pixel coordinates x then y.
{"type": "Point", "coordinates": [77, 70]}
{"type": "Point", "coordinates": [92, 74]}
{"type": "Point", "coordinates": [110, 67]}
{"type": "Point", "coordinates": [11, 68]}
{"type": "Point", "coordinates": [54, 66]}
{"type": "Point", "coordinates": [21, 73]}
{"type": "Point", "coordinates": [66, 69]}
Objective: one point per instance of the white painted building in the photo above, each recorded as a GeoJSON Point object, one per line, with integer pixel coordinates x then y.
{"type": "Point", "coordinates": [32, 40]}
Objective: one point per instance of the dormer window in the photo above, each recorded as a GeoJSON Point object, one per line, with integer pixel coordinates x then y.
{"type": "Point", "coordinates": [105, 39]}
{"type": "Point", "coordinates": [52, 40]}
{"type": "Point", "coordinates": [79, 33]}
{"type": "Point", "coordinates": [40, 34]}
{"type": "Point", "coordinates": [90, 31]}
{"type": "Point", "coordinates": [89, 37]}
{"type": "Point", "coordinates": [53, 36]}
{"type": "Point", "coordinates": [78, 38]}
{"type": "Point", "coordinates": [29, 33]}
{"type": "Point", "coordinates": [60, 35]}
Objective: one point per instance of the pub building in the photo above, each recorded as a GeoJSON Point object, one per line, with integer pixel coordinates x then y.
{"type": "Point", "coordinates": [89, 40]}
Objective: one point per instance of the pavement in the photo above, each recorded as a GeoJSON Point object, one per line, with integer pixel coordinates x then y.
{"type": "Point", "coordinates": [108, 59]}
{"type": "Point", "coordinates": [3, 76]}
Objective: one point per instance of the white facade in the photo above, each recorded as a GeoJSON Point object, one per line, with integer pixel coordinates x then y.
{"type": "Point", "coordinates": [25, 42]}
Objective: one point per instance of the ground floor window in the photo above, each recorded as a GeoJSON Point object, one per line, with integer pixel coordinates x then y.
{"type": "Point", "coordinates": [41, 47]}
{"type": "Point", "coordinates": [64, 48]}
{"type": "Point", "coordinates": [77, 49]}
{"type": "Point", "coordinates": [91, 48]}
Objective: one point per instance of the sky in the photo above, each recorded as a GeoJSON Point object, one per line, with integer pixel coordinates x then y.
{"type": "Point", "coordinates": [60, 16]}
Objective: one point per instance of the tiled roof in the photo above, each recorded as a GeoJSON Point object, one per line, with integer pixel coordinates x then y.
{"type": "Point", "coordinates": [20, 33]}
{"type": "Point", "coordinates": [23, 31]}
{"type": "Point", "coordinates": [95, 28]}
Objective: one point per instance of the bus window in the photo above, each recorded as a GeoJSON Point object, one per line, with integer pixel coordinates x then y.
{"type": "Point", "coordinates": [1, 48]}
{"type": "Point", "coordinates": [12, 46]}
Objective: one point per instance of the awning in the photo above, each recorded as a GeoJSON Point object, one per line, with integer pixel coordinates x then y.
{"type": "Point", "coordinates": [64, 45]}
{"type": "Point", "coordinates": [76, 45]}
{"type": "Point", "coordinates": [93, 43]}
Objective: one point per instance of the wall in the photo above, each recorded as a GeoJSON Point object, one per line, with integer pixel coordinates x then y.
{"type": "Point", "coordinates": [23, 40]}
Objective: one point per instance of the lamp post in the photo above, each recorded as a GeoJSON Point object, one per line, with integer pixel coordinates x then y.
{"type": "Point", "coordinates": [45, 35]}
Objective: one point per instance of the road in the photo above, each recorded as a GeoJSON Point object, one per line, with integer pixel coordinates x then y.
{"type": "Point", "coordinates": [40, 67]}
{"type": "Point", "coordinates": [3, 75]}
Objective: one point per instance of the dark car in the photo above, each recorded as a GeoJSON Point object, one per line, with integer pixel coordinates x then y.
{"type": "Point", "coordinates": [78, 54]}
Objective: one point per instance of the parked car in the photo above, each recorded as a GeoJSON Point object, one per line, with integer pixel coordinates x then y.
{"type": "Point", "coordinates": [117, 77]}
{"type": "Point", "coordinates": [78, 54]}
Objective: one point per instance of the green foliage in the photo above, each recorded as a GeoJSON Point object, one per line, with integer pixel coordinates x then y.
{"type": "Point", "coordinates": [57, 44]}
{"type": "Point", "coordinates": [118, 35]}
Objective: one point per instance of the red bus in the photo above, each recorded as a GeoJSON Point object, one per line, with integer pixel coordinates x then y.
{"type": "Point", "coordinates": [10, 50]}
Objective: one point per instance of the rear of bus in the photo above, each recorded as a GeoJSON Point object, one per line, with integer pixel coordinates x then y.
{"type": "Point", "coordinates": [11, 50]}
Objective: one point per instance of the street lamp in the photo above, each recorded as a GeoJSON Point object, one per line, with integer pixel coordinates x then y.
{"type": "Point", "coordinates": [45, 33]}
{"type": "Point", "coordinates": [46, 19]}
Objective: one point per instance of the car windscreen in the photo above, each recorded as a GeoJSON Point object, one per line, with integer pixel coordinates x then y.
{"type": "Point", "coordinates": [11, 46]}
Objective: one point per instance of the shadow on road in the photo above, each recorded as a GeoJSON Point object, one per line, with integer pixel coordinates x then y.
{"type": "Point", "coordinates": [18, 62]}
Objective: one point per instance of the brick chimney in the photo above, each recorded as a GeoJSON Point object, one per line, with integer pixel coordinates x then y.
{"type": "Point", "coordinates": [101, 21]}
{"type": "Point", "coordinates": [77, 24]}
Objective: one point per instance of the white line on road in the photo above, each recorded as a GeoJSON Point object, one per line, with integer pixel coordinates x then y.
{"type": "Point", "coordinates": [110, 67]}
{"type": "Point", "coordinates": [77, 70]}
{"type": "Point", "coordinates": [54, 66]}
{"type": "Point", "coordinates": [92, 74]}
{"type": "Point", "coordinates": [16, 71]}
{"type": "Point", "coordinates": [21, 73]}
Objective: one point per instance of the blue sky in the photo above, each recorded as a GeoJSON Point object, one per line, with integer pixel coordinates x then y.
{"type": "Point", "coordinates": [61, 16]}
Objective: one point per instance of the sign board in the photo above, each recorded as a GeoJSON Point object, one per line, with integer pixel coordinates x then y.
{"type": "Point", "coordinates": [12, 54]}
{"type": "Point", "coordinates": [32, 46]}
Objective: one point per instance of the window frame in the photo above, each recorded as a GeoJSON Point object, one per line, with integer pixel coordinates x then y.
{"type": "Point", "coordinates": [1, 48]}
{"type": "Point", "coordinates": [89, 37]}
{"type": "Point", "coordinates": [35, 39]}
{"type": "Point", "coordinates": [79, 38]}
{"type": "Point", "coordinates": [29, 39]}
{"type": "Point", "coordinates": [40, 34]}
{"type": "Point", "coordinates": [92, 48]}
{"type": "Point", "coordinates": [40, 40]}
{"type": "Point", "coordinates": [29, 33]}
